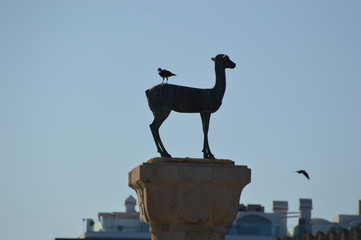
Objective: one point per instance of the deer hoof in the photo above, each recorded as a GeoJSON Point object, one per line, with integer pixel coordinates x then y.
{"type": "Point", "coordinates": [208, 156]}
{"type": "Point", "coordinates": [166, 155]}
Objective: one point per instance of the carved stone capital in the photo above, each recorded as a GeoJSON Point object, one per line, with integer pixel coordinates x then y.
{"type": "Point", "coordinates": [188, 197]}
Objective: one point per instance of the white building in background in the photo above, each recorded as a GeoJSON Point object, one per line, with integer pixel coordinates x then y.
{"type": "Point", "coordinates": [251, 223]}
{"type": "Point", "coordinates": [128, 221]}
{"type": "Point", "coordinates": [122, 225]}
{"type": "Point", "coordinates": [314, 225]}
{"type": "Point", "coordinates": [346, 221]}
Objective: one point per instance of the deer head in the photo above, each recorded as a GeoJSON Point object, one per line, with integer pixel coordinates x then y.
{"type": "Point", "coordinates": [226, 62]}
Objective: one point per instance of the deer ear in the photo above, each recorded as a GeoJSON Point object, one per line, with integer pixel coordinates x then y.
{"type": "Point", "coordinates": [212, 59]}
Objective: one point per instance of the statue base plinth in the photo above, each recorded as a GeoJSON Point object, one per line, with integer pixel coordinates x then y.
{"type": "Point", "coordinates": [187, 198]}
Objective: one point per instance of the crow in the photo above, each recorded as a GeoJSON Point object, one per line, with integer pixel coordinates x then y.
{"type": "Point", "coordinates": [165, 74]}
{"type": "Point", "coordinates": [304, 173]}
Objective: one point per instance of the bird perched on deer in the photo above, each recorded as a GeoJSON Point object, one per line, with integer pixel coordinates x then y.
{"type": "Point", "coordinates": [304, 173]}
{"type": "Point", "coordinates": [165, 74]}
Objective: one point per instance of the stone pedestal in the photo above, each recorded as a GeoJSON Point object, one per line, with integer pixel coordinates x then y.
{"type": "Point", "coordinates": [188, 199]}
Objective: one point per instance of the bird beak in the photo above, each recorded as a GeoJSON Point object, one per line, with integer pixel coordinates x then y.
{"type": "Point", "coordinates": [212, 59]}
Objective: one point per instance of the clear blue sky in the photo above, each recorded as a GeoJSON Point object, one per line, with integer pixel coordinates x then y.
{"type": "Point", "coordinates": [74, 117]}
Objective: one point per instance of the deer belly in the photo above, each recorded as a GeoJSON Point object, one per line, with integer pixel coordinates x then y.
{"type": "Point", "coordinates": [187, 106]}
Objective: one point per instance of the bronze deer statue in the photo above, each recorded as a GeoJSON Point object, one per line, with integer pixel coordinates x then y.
{"type": "Point", "coordinates": [164, 98]}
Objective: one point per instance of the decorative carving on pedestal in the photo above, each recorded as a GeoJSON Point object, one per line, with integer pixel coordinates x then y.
{"type": "Point", "coordinates": [185, 198]}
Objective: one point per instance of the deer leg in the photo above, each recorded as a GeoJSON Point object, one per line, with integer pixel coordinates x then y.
{"type": "Point", "coordinates": [205, 123]}
{"type": "Point", "coordinates": [159, 118]}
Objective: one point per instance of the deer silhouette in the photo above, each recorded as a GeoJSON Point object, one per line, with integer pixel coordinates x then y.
{"type": "Point", "coordinates": [164, 98]}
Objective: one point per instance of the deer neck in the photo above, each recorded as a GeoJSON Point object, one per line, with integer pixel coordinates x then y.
{"type": "Point", "coordinates": [220, 86]}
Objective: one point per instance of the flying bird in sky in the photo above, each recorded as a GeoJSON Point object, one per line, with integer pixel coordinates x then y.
{"type": "Point", "coordinates": [304, 173]}
{"type": "Point", "coordinates": [165, 74]}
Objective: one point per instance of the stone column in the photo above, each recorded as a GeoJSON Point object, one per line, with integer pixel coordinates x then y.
{"type": "Point", "coordinates": [188, 199]}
